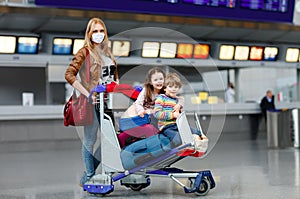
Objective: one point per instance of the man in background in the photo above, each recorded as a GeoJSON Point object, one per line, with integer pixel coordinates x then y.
{"type": "Point", "coordinates": [267, 103]}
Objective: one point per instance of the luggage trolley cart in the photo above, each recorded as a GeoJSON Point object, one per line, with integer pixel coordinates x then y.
{"type": "Point", "coordinates": [137, 178]}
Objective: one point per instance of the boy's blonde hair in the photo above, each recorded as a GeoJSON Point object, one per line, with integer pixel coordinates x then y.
{"type": "Point", "coordinates": [173, 79]}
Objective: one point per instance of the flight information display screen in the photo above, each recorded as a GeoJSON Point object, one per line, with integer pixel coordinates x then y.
{"type": "Point", "coordinates": [268, 5]}
{"type": "Point", "coordinates": [217, 3]}
{"type": "Point", "coordinates": [253, 10]}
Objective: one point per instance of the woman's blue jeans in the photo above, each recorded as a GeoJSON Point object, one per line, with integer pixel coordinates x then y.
{"type": "Point", "coordinates": [91, 160]}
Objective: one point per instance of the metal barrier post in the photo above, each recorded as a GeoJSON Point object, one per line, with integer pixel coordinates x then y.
{"type": "Point", "coordinates": [279, 129]}
{"type": "Point", "coordinates": [295, 123]}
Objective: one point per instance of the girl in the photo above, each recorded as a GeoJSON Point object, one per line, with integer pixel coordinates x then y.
{"type": "Point", "coordinates": [153, 86]}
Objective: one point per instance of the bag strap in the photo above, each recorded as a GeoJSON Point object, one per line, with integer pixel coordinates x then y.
{"type": "Point", "coordinates": [87, 64]}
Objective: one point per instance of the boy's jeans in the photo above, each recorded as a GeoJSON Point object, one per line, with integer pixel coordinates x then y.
{"type": "Point", "coordinates": [171, 131]}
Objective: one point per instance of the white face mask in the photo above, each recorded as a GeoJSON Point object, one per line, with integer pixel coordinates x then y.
{"type": "Point", "coordinates": [98, 37]}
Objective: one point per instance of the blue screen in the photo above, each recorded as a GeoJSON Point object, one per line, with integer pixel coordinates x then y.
{"type": "Point", "coordinates": [27, 48]}
{"type": "Point", "coordinates": [253, 10]}
{"type": "Point", "coordinates": [62, 49]}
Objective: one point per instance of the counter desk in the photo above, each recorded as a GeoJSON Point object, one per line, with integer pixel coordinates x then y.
{"type": "Point", "coordinates": [45, 123]}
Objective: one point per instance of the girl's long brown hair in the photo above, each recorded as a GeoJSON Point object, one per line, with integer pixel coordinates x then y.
{"type": "Point", "coordinates": [149, 87]}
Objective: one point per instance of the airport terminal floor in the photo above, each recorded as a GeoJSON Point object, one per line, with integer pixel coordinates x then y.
{"type": "Point", "coordinates": [242, 168]}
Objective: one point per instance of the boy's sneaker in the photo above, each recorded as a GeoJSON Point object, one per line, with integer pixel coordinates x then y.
{"type": "Point", "coordinates": [201, 143]}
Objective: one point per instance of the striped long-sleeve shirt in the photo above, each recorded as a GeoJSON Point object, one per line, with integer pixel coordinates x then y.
{"type": "Point", "coordinates": [163, 110]}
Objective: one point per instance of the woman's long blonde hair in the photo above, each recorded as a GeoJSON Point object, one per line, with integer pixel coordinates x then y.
{"type": "Point", "coordinates": [95, 53]}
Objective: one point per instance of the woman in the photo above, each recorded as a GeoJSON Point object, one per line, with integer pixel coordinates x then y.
{"type": "Point", "coordinates": [103, 70]}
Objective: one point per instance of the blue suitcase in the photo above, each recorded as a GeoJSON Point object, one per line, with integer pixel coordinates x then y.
{"type": "Point", "coordinates": [144, 150]}
{"type": "Point", "coordinates": [132, 122]}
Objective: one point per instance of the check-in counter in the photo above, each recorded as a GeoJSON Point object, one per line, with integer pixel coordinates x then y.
{"type": "Point", "coordinates": [45, 123]}
{"type": "Point", "coordinates": [42, 126]}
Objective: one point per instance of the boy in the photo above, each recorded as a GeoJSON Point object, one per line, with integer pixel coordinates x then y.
{"type": "Point", "coordinates": [164, 112]}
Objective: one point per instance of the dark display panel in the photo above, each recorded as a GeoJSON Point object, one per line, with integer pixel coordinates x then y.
{"type": "Point", "coordinates": [253, 10]}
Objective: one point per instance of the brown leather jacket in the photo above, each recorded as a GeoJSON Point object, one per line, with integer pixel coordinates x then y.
{"type": "Point", "coordinates": [78, 64]}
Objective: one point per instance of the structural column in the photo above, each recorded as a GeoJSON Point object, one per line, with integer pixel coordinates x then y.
{"type": "Point", "coordinates": [298, 84]}
{"type": "Point", "coordinates": [237, 84]}
{"type": "Point", "coordinates": [47, 86]}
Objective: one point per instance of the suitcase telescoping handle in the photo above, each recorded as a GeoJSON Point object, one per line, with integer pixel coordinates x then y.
{"type": "Point", "coordinates": [198, 125]}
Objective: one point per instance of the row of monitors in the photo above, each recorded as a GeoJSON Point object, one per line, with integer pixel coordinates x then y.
{"type": "Point", "coordinates": [12, 44]}
{"type": "Point", "coordinates": [61, 46]}
{"type": "Point", "coordinates": [68, 46]}
{"type": "Point", "coordinates": [149, 49]}
{"type": "Point", "coordinates": [175, 50]}
{"type": "Point", "coordinates": [256, 53]}
{"type": "Point", "coordinates": [244, 53]}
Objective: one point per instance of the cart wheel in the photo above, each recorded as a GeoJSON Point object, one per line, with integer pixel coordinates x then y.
{"type": "Point", "coordinates": [100, 195]}
{"type": "Point", "coordinates": [96, 194]}
{"type": "Point", "coordinates": [204, 187]}
{"type": "Point", "coordinates": [136, 187]}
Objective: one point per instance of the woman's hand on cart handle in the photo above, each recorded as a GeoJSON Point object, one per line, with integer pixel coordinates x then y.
{"type": "Point", "coordinates": [99, 89]}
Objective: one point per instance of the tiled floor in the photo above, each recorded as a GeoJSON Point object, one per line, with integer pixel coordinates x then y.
{"type": "Point", "coordinates": [243, 169]}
